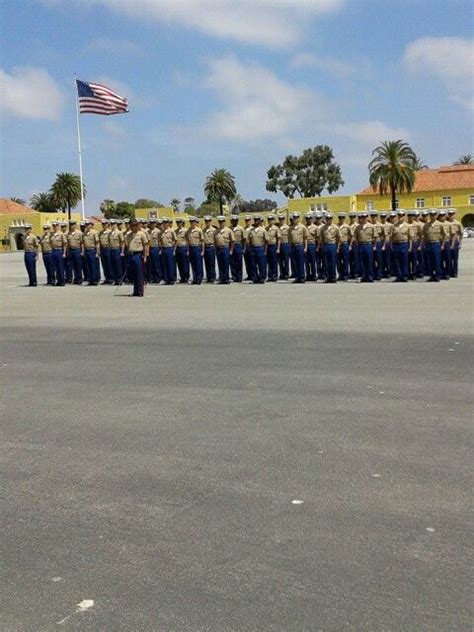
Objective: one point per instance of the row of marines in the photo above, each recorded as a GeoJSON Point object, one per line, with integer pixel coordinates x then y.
{"type": "Point", "coordinates": [406, 245]}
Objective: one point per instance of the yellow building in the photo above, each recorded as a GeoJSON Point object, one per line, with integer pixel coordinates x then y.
{"type": "Point", "coordinates": [333, 203]}
{"type": "Point", "coordinates": [14, 216]}
{"type": "Point", "coordinates": [450, 186]}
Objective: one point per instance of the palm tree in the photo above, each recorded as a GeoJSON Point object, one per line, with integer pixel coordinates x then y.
{"type": "Point", "coordinates": [467, 159]}
{"type": "Point", "coordinates": [18, 200]}
{"type": "Point", "coordinates": [175, 202]}
{"type": "Point", "coordinates": [43, 202]}
{"type": "Point", "coordinates": [392, 169]}
{"type": "Point", "coordinates": [419, 164]}
{"type": "Point", "coordinates": [107, 208]}
{"type": "Point", "coordinates": [220, 187]}
{"type": "Point", "coordinates": [66, 191]}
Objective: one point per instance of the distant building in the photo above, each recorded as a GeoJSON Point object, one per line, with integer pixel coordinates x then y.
{"type": "Point", "coordinates": [14, 216]}
{"type": "Point", "coordinates": [450, 186]}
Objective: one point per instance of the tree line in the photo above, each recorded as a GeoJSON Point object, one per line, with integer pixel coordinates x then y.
{"type": "Point", "coordinates": [392, 170]}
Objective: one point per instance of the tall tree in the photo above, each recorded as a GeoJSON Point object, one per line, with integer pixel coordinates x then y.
{"type": "Point", "coordinates": [306, 175]}
{"type": "Point", "coordinates": [146, 203]}
{"type": "Point", "coordinates": [419, 165]}
{"type": "Point", "coordinates": [66, 191]}
{"type": "Point", "coordinates": [175, 204]}
{"type": "Point", "coordinates": [392, 169]}
{"type": "Point", "coordinates": [188, 204]}
{"type": "Point", "coordinates": [125, 209]}
{"type": "Point", "coordinates": [18, 200]}
{"type": "Point", "coordinates": [257, 206]}
{"type": "Point", "coordinates": [220, 187]}
{"type": "Point", "coordinates": [108, 208]}
{"type": "Point", "coordinates": [43, 202]}
{"type": "Point", "coordinates": [467, 159]}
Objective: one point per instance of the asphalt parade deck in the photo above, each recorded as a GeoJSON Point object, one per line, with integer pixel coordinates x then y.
{"type": "Point", "coordinates": [153, 450]}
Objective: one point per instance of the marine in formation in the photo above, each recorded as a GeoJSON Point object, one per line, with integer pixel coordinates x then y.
{"type": "Point", "coordinates": [399, 245]}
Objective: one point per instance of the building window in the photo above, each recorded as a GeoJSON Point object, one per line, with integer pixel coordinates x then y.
{"type": "Point", "coordinates": [471, 200]}
{"type": "Point", "coordinates": [322, 206]}
{"type": "Point", "coordinates": [420, 202]}
{"type": "Point", "coordinates": [397, 205]}
{"type": "Point", "coordinates": [369, 206]}
{"type": "Point", "coordinates": [446, 200]}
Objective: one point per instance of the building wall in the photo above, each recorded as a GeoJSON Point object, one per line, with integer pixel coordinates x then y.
{"type": "Point", "coordinates": [459, 200]}
{"type": "Point", "coordinates": [12, 225]}
{"type": "Point", "coordinates": [334, 203]}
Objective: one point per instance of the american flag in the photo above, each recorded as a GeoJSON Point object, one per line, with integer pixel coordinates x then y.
{"type": "Point", "coordinates": [97, 99]}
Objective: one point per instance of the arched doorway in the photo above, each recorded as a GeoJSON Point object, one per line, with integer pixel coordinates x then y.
{"type": "Point", "coordinates": [468, 220]}
{"type": "Point", "coordinates": [20, 241]}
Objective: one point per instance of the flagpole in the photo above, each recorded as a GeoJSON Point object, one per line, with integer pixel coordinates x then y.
{"type": "Point", "coordinates": [83, 214]}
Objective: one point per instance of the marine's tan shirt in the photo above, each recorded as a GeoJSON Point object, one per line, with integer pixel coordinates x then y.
{"type": "Point", "coordinates": [181, 236]}
{"type": "Point", "coordinates": [195, 236]}
{"type": "Point", "coordinates": [387, 231]}
{"type": "Point", "coordinates": [284, 229]}
{"type": "Point", "coordinates": [74, 239]}
{"type": "Point", "coordinates": [378, 231]}
{"type": "Point", "coordinates": [116, 238]}
{"type": "Point", "coordinates": [209, 235]}
{"type": "Point", "coordinates": [352, 228]}
{"type": "Point", "coordinates": [104, 238]}
{"type": "Point", "coordinates": [257, 236]}
{"type": "Point", "coordinates": [90, 238]}
{"type": "Point", "coordinates": [224, 237]}
{"type": "Point", "coordinates": [329, 234]}
{"type": "Point", "coordinates": [297, 234]}
{"type": "Point", "coordinates": [136, 242]}
{"type": "Point", "coordinates": [364, 233]}
{"type": "Point", "coordinates": [239, 234]}
{"type": "Point", "coordinates": [167, 238]}
{"type": "Point", "coordinates": [45, 242]}
{"type": "Point", "coordinates": [31, 243]}
{"type": "Point", "coordinates": [400, 234]}
{"type": "Point", "coordinates": [448, 230]}
{"type": "Point", "coordinates": [345, 233]}
{"type": "Point", "coordinates": [413, 231]}
{"type": "Point", "coordinates": [433, 231]}
{"type": "Point", "coordinates": [313, 233]}
{"type": "Point", "coordinates": [273, 235]}
{"type": "Point", "coordinates": [456, 228]}
{"type": "Point", "coordinates": [58, 240]}
{"type": "Point", "coordinates": [154, 235]}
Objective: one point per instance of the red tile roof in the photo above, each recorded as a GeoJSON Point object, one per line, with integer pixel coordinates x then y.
{"type": "Point", "coordinates": [9, 207]}
{"type": "Point", "coordinates": [442, 179]}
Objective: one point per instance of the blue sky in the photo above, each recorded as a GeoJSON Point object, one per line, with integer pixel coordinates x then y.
{"type": "Point", "coordinates": [230, 83]}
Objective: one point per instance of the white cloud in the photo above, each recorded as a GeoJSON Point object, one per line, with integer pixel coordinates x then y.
{"type": "Point", "coordinates": [325, 63]}
{"type": "Point", "coordinates": [115, 130]}
{"type": "Point", "coordinates": [369, 133]}
{"type": "Point", "coordinates": [30, 93]}
{"type": "Point", "coordinates": [450, 59]}
{"type": "Point", "coordinates": [115, 46]}
{"type": "Point", "coordinates": [270, 23]}
{"type": "Point", "coordinates": [256, 105]}
{"type": "Point", "coordinates": [446, 57]}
